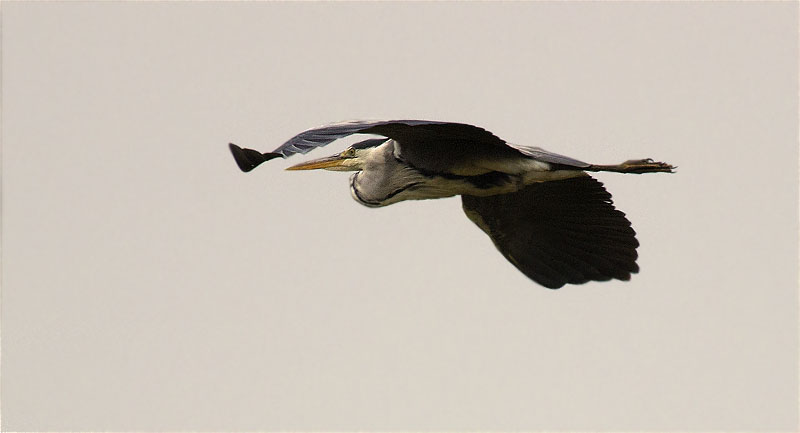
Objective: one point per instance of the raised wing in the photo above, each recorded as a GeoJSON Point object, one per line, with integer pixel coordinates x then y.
{"type": "Point", "coordinates": [559, 232]}
{"type": "Point", "coordinates": [320, 136]}
{"type": "Point", "coordinates": [304, 142]}
{"type": "Point", "coordinates": [433, 146]}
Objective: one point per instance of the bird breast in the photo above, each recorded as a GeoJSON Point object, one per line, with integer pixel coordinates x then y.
{"type": "Point", "coordinates": [386, 179]}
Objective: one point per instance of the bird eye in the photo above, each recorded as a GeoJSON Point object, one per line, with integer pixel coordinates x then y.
{"type": "Point", "coordinates": [349, 152]}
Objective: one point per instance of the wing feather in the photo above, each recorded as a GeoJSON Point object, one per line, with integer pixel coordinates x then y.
{"type": "Point", "coordinates": [559, 232]}
{"type": "Point", "coordinates": [326, 134]}
{"type": "Point", "coordinates": [431, 146]}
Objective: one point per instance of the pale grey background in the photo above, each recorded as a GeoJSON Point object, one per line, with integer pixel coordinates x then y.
{"type": "Point", "coordinates": [150, 285]}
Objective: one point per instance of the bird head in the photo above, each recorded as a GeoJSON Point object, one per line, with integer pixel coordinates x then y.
{"type": "Point", "coordinates": [351, 159]}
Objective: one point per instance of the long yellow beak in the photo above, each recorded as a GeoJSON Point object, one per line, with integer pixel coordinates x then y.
{"type": "Point", "coordinates": [328, 162]}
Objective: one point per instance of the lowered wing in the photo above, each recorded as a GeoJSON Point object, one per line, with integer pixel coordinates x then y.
{"type": "Point", "coordinates": [559, 232]}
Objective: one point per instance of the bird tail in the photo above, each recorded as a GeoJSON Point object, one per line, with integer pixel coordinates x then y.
{"type": "Point", "coordinates": [636, 166]}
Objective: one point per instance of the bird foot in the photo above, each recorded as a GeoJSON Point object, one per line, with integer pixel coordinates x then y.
{"type": "Point", "coordinates": [646, 166]}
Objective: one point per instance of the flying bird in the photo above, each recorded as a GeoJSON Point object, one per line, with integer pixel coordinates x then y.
{"type": "Point", "coordinates": [544, 213]}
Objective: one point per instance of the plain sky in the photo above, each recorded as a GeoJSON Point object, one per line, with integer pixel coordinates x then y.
{"type": "Point", "coordinates": [149, 285]}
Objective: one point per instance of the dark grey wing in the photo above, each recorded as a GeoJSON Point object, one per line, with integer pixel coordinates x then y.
{"type": "Point", "coordinates": [559, 232]}
{"type": "Point", "coordinates": [438, 147]}
{"type": "Point", "coordinates": [304, 142]}
{"type": "Point", "coordinates": [320, 136]}
{"type": "Point", "coordinates": [431, 146]}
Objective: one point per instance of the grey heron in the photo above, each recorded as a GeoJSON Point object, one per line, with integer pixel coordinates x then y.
{"type": "Point", "coordinates": [544, 213]}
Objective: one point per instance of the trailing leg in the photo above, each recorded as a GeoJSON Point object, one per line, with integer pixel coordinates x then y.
{"type": "Point", "coordinates": [636, 166]}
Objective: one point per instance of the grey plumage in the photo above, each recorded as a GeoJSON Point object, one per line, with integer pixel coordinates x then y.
{"type": "Point", "coordinates": [323, 135]}
{"type": "Point", "coordinates": [542, 210]}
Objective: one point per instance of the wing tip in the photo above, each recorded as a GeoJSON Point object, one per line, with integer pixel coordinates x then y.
{"type": "Point", "coordinates": [248, 159]}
